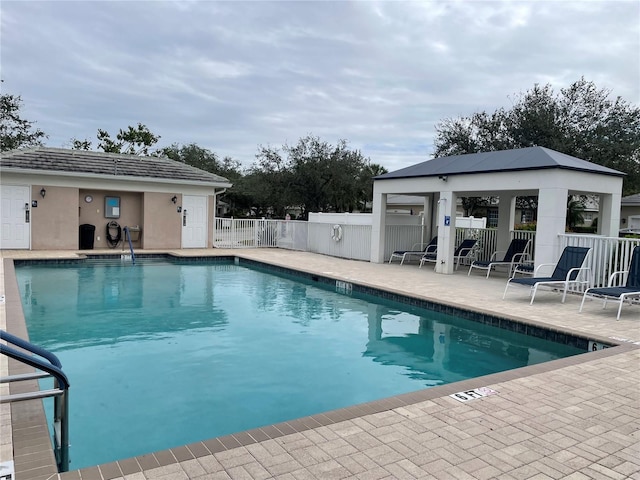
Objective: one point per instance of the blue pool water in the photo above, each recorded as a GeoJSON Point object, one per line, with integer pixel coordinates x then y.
{"type": "Point", "coordinates": [163, 355]}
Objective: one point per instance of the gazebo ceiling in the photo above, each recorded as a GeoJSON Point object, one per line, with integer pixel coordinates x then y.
{"type": "Point", "coordinates": [520, 159]}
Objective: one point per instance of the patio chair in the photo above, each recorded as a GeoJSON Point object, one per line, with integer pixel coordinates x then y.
{"type": "Point", "coordinates": [463, 251]}
{"type": "Point", "coordinates": [628, 291]}
{"type": "Point", "coordinates": [515, 255]}
{"type": "Point", "coordinates": [568, 271]}
{"type": "Point", "coordinates": [431, 247]}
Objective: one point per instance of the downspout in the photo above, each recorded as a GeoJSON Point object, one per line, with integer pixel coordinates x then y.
{"type": "Point", "coordinates": [215, 200]}
{"type": "Point", "coordinates": [215, 207]}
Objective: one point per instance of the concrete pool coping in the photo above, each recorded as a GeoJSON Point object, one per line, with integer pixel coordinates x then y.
{"type": "Point", "coordinates": [308, 444]}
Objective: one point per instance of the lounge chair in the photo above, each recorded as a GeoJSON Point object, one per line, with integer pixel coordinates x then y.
{"type": "Point", "coordinates": [568, 271]}
{"type": "Point", "coordinates": [515, 255]}
{"type": "Point", "coordinates": [628, 291]}
{"type": "Point", "coordinates": [463, 251]}
{"type": "Point", "coordinates": [431, 247]}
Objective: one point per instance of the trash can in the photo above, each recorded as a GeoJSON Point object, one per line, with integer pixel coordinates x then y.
{"type": "Point", "coordinates": [87, 234]}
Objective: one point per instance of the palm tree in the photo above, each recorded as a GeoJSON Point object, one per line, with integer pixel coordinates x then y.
{"type": "Point", "coordinates": [575, 209]}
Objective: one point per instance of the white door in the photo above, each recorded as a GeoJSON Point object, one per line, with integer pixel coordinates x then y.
{"type": "Point", "coordinates": [194, 221]}
{"type": "Point", "coordinates": [15, 215]}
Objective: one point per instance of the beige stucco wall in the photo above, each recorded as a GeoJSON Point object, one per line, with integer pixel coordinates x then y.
{"type": "Point", "coordinates": [93, 213]}
{"type": "Point", "coordinates": [54, 222]}
{"type": "Point", "coordinates": [162, 221]}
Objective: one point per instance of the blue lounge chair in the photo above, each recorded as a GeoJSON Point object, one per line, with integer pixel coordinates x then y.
{"type": "Point", "coordinates": [517, 253]}
{"type": "Point", "coordinates": [431, 247]}
{"type": "Point", "coordinates": [568, 271]}
{"type": "Point", "coordinates": [628, 291]}
{"type": "Point", "coordinates": [464, 250]}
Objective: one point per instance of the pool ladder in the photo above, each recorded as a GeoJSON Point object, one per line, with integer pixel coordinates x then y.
{"type": "Point", "coordinates": [127, 234]}
{"type": "Point", "coordinates": [49, 366]}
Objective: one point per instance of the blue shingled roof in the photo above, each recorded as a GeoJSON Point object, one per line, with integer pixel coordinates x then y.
{"type": "Point", "coordinates": [531, 158]}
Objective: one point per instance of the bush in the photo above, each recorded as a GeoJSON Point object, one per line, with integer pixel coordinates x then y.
{"type": "Point", "coordinates": [584, 229]}
{"type": "Point", "coordinates": [527, 227]}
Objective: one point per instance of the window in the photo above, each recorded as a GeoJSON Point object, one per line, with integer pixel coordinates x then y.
{"type": "Point", "coordinates": [492, 214]}
{"type": "Point", "coordinates": [526, 216]}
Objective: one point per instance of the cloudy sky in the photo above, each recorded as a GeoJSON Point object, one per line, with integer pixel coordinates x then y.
{"type": "Point", "coordinates": [230, 76]}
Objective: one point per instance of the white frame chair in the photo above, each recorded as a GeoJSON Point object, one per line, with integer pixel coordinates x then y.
{"type": "Point", "coordinates": [618, 293]}
{"type": "Point", "coordinates": [564, 274]}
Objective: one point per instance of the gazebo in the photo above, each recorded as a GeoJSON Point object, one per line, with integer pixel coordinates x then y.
{"type": "Point", "coordinates": [507, 174]}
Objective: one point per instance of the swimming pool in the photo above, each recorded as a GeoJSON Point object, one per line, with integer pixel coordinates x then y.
{"type": "Point", "coordinates": [166, 354]}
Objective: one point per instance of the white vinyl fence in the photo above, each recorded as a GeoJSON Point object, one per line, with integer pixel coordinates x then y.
{"type": "Point", "coordinates": [354, 241]}
{"type": "Point", "coordinates": [243, 233]}
{"type": "Point", "coordinates": [608, 255]}
{"type": "Point", "coordinates": [488, 240]}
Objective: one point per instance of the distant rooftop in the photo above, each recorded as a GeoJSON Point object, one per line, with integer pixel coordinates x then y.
{"type": "Point", "coordinates": [631, 200]}
{"type": "Point", "coordinates": [60, 160]}
{"type": "Point", "coordinates": [530, 158]}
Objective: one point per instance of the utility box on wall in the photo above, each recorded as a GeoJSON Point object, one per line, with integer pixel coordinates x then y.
{"type": "Point", "coordinates": [134, 233]}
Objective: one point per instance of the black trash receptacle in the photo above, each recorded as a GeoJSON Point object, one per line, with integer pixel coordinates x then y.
{"type": "Point", "coordinates": [87, 234]}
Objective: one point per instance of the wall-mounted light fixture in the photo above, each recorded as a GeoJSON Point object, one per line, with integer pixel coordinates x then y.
{"type": "Point", "coordinates": [43, 192]}
{"type": "Point", "coordinates": [174, 199]}
{"type": "Point", "coordinates": [443, 178]}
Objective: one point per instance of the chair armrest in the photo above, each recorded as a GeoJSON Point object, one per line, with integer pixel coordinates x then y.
{"type": "Point", "coordinates": [541, 266]}
{"type": "Point", "coordinates": [577, 269]}
{"type": "Point", "coordinates": [614, 275]}
{"type": "Point", "coordinates": [524, 269]}
{"type": "Point", "coordinates": [494, 255]}
{"type": "Point", "coordinates": [431, 249]}
{"type": "Point", "coordinates": [519, 258]}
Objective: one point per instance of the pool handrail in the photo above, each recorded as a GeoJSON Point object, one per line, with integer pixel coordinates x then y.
{"type": "Point", "coordinates": [50, 364]}
{"type": "Point", "coordinates": [128, 235]}
{"type": "Point", "coordinates": [4, 335]}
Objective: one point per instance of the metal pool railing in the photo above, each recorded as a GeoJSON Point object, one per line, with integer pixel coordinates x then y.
{"type": "Point", "coordinates": [49, 366]}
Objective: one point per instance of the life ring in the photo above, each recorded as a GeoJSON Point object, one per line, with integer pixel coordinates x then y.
{"type": "Point", "coordinates": [336, 233]}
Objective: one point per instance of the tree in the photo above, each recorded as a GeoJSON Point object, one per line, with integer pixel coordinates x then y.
{"type": "Point", "coordinates": [192, 155]}
{"type": "Point", "coordinates": [365, 182]}
{"type": "Point", "coordinates": [581, 120]}
{"type": "Point", "coordinates": [575, 211]}
{"type": "Point", "coordinates": [132, 141]}
{"type": "Point", "coordinates": [16, 132]}
{"type": "Point", "coordinates": [207, 160]}
{"type": "Point", "coordinates": [314, 175]}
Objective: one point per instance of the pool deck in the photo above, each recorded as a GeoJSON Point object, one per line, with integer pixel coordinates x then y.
{"type": "Point", "coordinates": [576, 418]}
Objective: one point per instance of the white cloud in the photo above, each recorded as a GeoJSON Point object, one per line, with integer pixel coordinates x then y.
{"type": "Point", "coordinates": [230, 76]}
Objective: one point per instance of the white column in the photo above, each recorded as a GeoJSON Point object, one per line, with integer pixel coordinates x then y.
{"type": "Point", "coordinates": [446, 233]}
{"type": "Point", "coordinates": [552, 218]}
{"type": "Point", "coordinates": [378, 214]}
{"type": "Point", "coordinates": [426, 219]}
{"type": "Point", "coordinates": [506, 220]}
{"type": "Point", "coordinates": [609, 215]}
